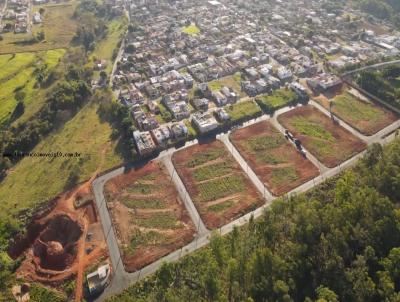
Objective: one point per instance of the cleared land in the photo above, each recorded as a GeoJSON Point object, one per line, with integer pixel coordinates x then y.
{"type": "Point", "coordinates": [58, 26]}
{"type": "Point", "coordinates": [329, 142]}
{"type": "Point", "coordinates": [149, 218]}
{"type": "Point", "coordinates": [276, 162]}
{"type": "Point", "coordinates": [243, 110]}
{"type": "Point", "coordinates": [218, 187]}
{"type": "Point", "coordinates": [367, 117]}
{"type": "Point", "coordinates": [232, 81]}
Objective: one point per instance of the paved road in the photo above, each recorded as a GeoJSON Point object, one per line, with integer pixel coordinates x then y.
{"type": "Point", "coordinates": [370, 67]}
{"type": "Point", "coordinates": [122, 279]}
{"type": "Point", "coordinates": [185, 197]}
{"type": "Point", "coordinates": [120, 52]}
{"type": "Point", "coordinates": [245, 166]}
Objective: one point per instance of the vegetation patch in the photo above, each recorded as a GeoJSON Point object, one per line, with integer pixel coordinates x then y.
{"type": "Point", "coordinates": [243, 111]}
{"type": "Point", "coordinates": [311, 128]}
{"type": "Point", "coordinates": [201, 158]}
{"type": "Point", "coordinates": [163, 220]}
{"type": "Point", "coordinates": [134, 203]}
{"type": "Point", "coordinates": [278, 99]}
{"type": "Point", "coordinates": [284, 175]}
{"type": "Point", "coordinates": [365, 116]}
{"type": "Point", "coordinates": [149, 238]}
{"type": "Point", "coordinates": [191, 29]}
{"type": "Point", "coordinates": [220, 187]}
{"type": "Point", "coordinates": [382, 83]}
{"type": "Point", "coordinates": [232, 81]}
{"type": "Point", "coordinates": [58, 27]}
{"type": "Point", "coordinates": [221, 207]}
{"type": "Point", "coordinates": [140, 188]}
{"type": "Point", "coordinates": [260, 143]}
{"type": "Point", "coordinates": [212, 171]}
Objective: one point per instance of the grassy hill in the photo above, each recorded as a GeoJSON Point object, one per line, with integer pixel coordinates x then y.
{"type": "Point", "coordinates": [34, 180]}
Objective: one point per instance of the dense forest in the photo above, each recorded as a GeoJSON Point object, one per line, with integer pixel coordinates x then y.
{"type": "Point", "coordinates": [338, 242]}
{"type": "Point", "coordinates": [383, 9]}
{"type": "Point", "coordinates": [383, 83]}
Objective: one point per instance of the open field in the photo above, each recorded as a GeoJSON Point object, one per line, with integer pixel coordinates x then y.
{"type": "Point", "coordinates": [58, 27]}
{"type": "Point", "coordinates": [218, 187]}
{"type": "Point", "coordinates": [149, 218]}
{"type": "Point", "coordinates": [105, 48]}
{"type": "Point", "coordinates": [329, 142]}
{"type": "Point", "coordinates": [276, 161]}
{"type": "Point", "coordinates": [37, 179]}
{"type": "Point", "coordinates": [241, 111]}
{"type": "Point", "coordinates": [17, 73]}
{"type": "Point", "coordinates": [232, 81]}
{"type": "Point", "coordinates": [365, 116]}
{"type": "Point", "coordinates": [278, 99]}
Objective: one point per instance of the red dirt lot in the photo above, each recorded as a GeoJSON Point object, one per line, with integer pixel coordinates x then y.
{"type": "Point", "coordinates": [325, 139]}
{"type": "Point", "coordinates": [275, 160]}
{"type": "Point", "coordinates": [149, 218]}
{"type": "Point", "coordinates": [217, 185]}
{"type": "Point", "coordinates": [55, 238]}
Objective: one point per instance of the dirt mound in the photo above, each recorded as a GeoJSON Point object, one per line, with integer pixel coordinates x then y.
{"type": "Point", "coordinates": [55, 248]}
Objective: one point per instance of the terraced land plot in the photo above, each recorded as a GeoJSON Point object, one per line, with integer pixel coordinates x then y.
{"type": "Point", "coordinates": [363, 115]}
{"type": "Point", "coordinates": [275, 161]}
{"type": "Point", "coordinates": [149, 218]}
{"type": "Point", "coordinates": [328, 141]}
{"type": "Point", "coordinates": [218, 187]}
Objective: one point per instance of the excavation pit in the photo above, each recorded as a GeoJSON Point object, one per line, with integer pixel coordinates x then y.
{"type": "Point", "coordinates": [56, 247]}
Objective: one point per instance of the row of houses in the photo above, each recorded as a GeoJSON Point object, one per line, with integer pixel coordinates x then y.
{"type": "Point", "coordinates": [149, 142]}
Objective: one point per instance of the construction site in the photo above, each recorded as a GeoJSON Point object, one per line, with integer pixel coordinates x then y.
{"type": "Point", "coordinates": [62, 241]}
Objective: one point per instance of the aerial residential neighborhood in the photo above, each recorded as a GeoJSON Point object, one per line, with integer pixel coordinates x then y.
{"type": "Point", "coordinates": [175, 61]}
{"type": "Point", "coordinates": [213, 150]}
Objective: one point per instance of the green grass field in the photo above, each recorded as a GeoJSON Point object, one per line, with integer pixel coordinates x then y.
{"type": "Point", "coordinates": [58, 26]}
{"type": "Point", "coordinates": [220, 187]}
{"type": "Point", "coordinates": [312, 128]}
{"type": "Point", "coordinates": [17, 72]}
{"type": "Point", "coordinates": [105, 48]}
{"type": "Point", "coordinates": [366, 117]}
{"type": "Point", "coordinates": [192, 29]}
{"type": "Point", "coordinates": [232, 81]}
{"type": "Point", "coordinates": [243, 110]}
{"type": "Point", "coordinates": [36, 180]}
{"type": "Point", "coordinates": [278, 99]}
